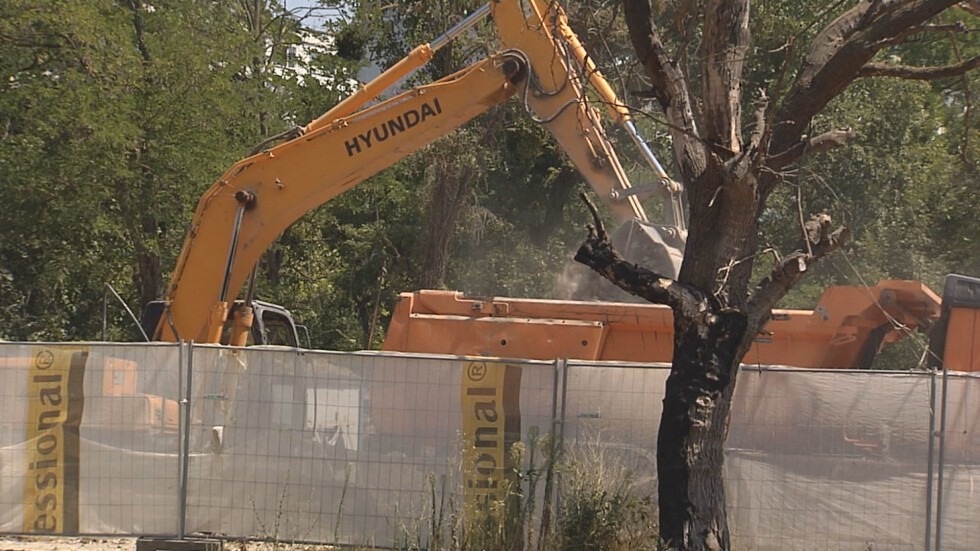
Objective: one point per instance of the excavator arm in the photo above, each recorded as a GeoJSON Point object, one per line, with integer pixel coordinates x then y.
{"type": "Point", "coordinates": [259, 197]}
{"type": "Point", "coordinates": [241, 215]}
{"type": "Point", "coordinates": [562, 73]}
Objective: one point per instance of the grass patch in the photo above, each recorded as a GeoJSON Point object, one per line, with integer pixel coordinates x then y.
{"type": "Point", "coordinates": [586, 500]}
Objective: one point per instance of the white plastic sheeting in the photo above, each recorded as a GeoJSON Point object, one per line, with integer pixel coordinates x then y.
{"type": "Point", "coordinates": [352, 448]}
{"type": "Point", "coordinates": [814, 459]}
{"type": "Point", "coordinates": [127, 461]}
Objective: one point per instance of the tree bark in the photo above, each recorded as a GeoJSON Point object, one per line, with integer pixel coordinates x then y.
{"type": "Point", "coordinates": [710, 340]}
{"type": "Point", "coordinates": [728, 181]}
{"type": "Point", "coordinates": [450, 191]}
{"type": "Point", "coordinates": [693, 427]}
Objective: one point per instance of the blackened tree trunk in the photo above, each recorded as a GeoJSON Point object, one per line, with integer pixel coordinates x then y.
{"type": "Point", "coordinates": [729, 173]}
{"type": "Point", "coordinates": [692, 430]}
{"type": "Point", "coordinates": [710, 338]}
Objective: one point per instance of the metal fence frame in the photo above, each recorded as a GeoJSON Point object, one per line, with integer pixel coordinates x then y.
{"type": "Point", "coordinates": [939, 382]}
{"type": "Point", "coordinates": [935, 466]}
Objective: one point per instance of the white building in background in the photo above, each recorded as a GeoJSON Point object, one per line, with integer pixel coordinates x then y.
{"type": "Point", "coordinates": [299, 57]}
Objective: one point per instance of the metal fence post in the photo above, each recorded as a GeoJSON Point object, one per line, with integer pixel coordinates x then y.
{"type": "Point", "coordinates": [942, 460]}
{"type": "Point", "coordinates": [180, 436]}
{"type": "Point", "coordinates": [563, 365]}
{"type": "Point", "coordinates": [930, 462]}
{"type": "Point", "coordinates": [550, 497]}
{"type": "Point", "coordinates": [555, 388]}
{"type": "Point", "coordinates": [561, 374]}
{"type": "Point", "coordinates": [184, 435]}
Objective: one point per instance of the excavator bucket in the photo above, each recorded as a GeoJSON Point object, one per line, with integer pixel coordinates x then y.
{"type": "Point", "coordinates": [656, 247]}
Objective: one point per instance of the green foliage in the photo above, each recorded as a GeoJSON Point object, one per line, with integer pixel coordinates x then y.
{"type": "Point", "coordinates": [602, 507]}
{"type": "Point", "coordinates": [342, 266]}
{"type": "Point", "coordinates": [602, 514]}
{"type": "Point", "coordinates": [902, 186]}
{"type": "Point", "coordinates": [117, 117]}
{"type": "Point", "coordinates": [887, 186]}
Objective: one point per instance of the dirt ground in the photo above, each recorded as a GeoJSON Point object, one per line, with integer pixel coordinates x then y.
{"type": "Point", "coordinates": [36, 543]}
{"type": "Point", "coordinates": [33, 543]}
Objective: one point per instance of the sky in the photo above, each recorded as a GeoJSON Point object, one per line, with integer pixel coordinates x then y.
{"type": "Point", "coordinates": [318, 15]}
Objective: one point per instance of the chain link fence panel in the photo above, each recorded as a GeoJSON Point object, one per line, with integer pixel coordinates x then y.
{"type": "Point", "coordinates": [370, 448]}
{"type": "Point", "coordinates": [89, 438]}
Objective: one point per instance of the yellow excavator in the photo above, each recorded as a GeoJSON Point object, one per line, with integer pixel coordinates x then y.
{"type": "Point", "coordinates": [541, 62]}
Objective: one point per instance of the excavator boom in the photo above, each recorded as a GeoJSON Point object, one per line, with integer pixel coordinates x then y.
{"type": "Point", "coordinates": [260, 196]}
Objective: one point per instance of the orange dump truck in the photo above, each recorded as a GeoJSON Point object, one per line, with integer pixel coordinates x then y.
{"type": "Point", "coordinates": [846, 329]}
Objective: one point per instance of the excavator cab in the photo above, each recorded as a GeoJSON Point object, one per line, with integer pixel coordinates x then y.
{"type": "Point", "coordinates": [273, 325]}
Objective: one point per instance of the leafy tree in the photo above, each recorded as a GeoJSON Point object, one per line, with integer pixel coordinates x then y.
{"type": "Point", "coordinates": [733, 150]}
{"type": "Point", "coordinates": [117, 114]}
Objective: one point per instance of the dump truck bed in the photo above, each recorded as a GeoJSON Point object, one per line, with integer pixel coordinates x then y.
{"type": "Point", "coordinates": [845, 330]}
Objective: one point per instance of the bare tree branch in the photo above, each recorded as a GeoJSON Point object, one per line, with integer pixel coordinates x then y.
{"type": "Point", "coordinates": [750, 159]}
{"type": "Point", "coordinates": [831, 40]}
{"type": "Point", "coordinates": [903, 36]}
{"type": "Point", "coordinates": [650, 51]}
{"type": "Point", "coordinates": [837, 55]}
{"type": "Point", "coordinates": [812, 146]}
{"type": "Point", "coordinates": [761, 128]}
{"type": "Point", "coordinates": [669, 87]}
{"type": "Point", "coordinates": [793, 267]}
{"type": "Point", "coordinates": [918, 73]}
{"type": "Point", "coordinates": [726, 39]}
{"type": "Point", "coordinates": [597, 252]}
{"type": "Point", "coordinates": [971, 7]}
